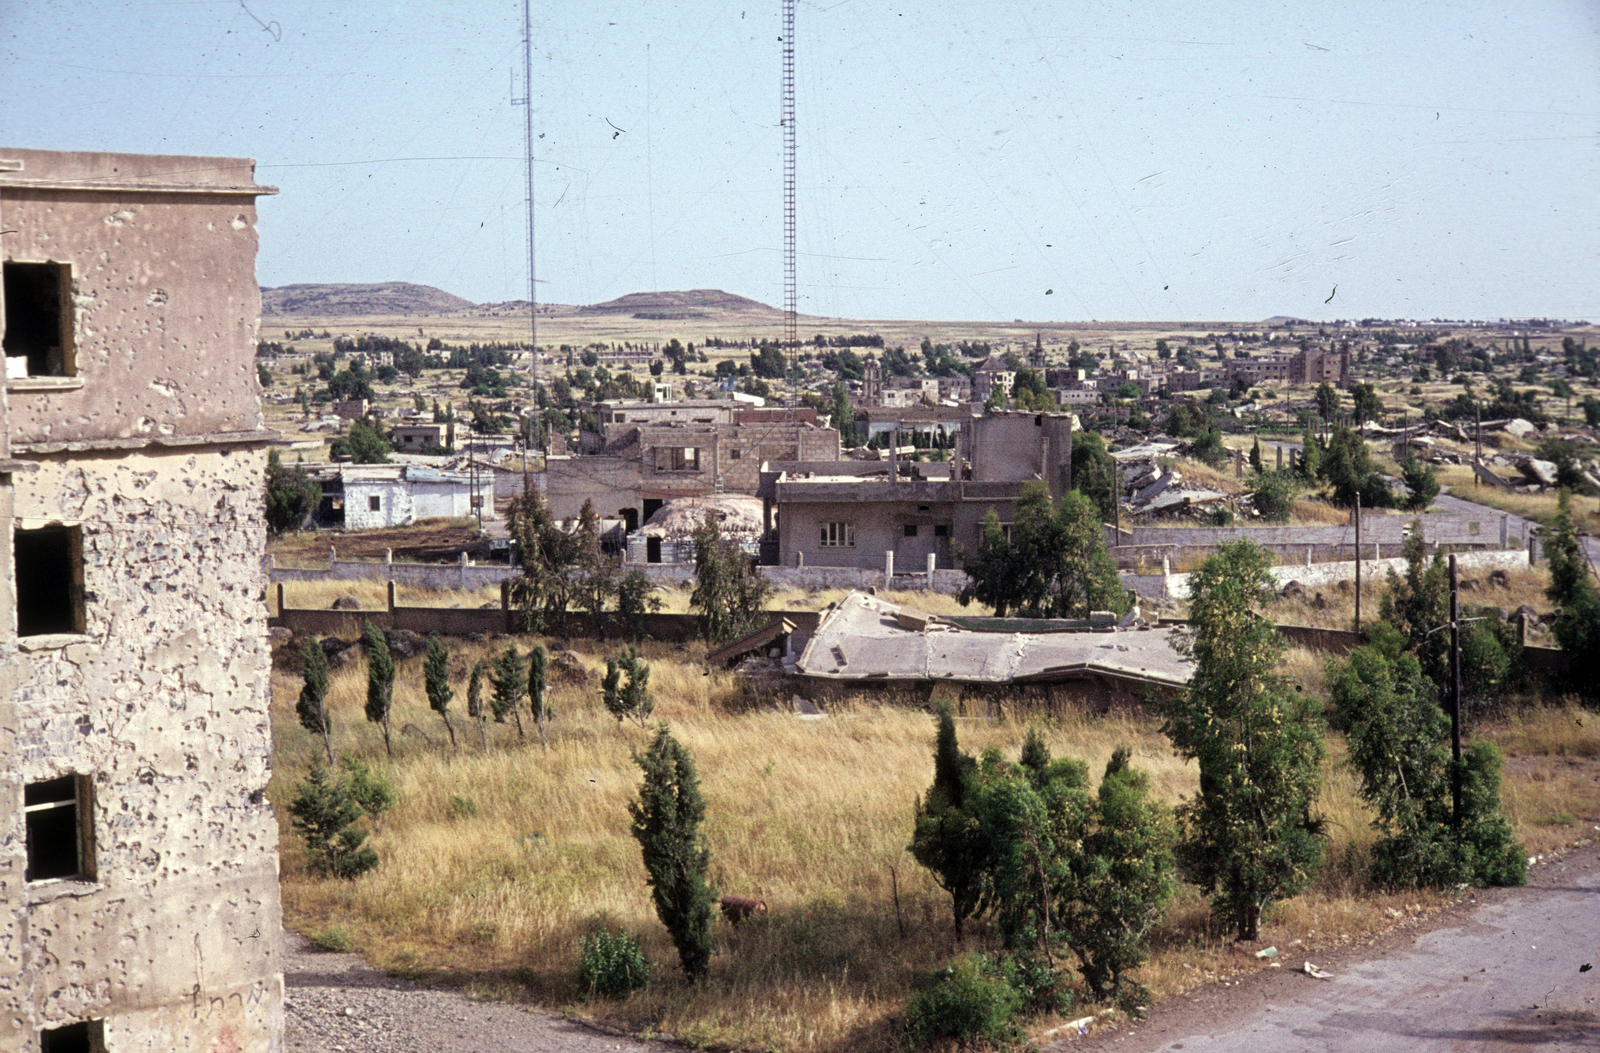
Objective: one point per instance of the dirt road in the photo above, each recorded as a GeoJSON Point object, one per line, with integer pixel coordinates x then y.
{"type": "Point", "coordinates": [336, 1003]}
{"type": "Point", "coordinates": [1504, 975]}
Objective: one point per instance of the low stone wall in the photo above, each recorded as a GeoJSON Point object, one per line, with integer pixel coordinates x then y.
{"type": "Point", "coordinates": [465, 576]}
{"type": "Point", "coordinates": [1375, 571]}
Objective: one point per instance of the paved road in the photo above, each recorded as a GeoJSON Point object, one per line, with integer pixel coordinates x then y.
{"type": "Point", "coordinates": [1505, 976]}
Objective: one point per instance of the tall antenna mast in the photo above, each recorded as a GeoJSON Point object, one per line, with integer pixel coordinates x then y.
{"type": "Point", "coordinates": [791, 336]}
{"type": "Point", "coordinates": [536, 438]}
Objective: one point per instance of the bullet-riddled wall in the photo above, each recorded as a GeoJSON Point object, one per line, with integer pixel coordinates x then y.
{"type": "Point", "coordinates": [138, 853]}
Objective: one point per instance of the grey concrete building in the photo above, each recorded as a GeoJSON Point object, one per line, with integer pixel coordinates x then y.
{"type": "Point", "coordinates": [138, 864]}
{"type": "Point", "coordinates": [858, 513]}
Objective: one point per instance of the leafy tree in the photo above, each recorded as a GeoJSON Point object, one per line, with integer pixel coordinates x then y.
{"type": "Point", "coordinates": [1208, 447]}
{"type": "Point", "coordinates": [549, 561]}
{"type": "Point", "coordinates": [436, 681]}
{"type": "Point", "coordinates": [1577, 628]}
{"type": "Point", "coordinates": [292, 495]}
{"type": "Point", "coordinates": [769, 362]}
{"type": "Point", "coordinates": [380, 681]}
{"type": "Point", "coordinates": [263, 375]}
{"type": "Point", "coordinates": [1399, 742]}
{"type": "Point", "coordinates": [475, 703]}
{"type": "Point", "coordinates": [1094, 473]}
{"type": "Point", "coordinates": [630, 698]}
{"type": "Point", "coordinates": [363, 445]}
{"type": "Point", "coordinates": [1054, 565]}
{"type": "Point", "coordinates": [536, 693]}
{"type": "Point", "coordinates": [324, 813]}
{"type": "Point", "coordinates": [1421, 481]}
{"type": "Point", "coordinates": [1350, 470]}
{"type": "Point", "coordinates": [509, 684]}
{"type": "Point", "coordinates": [728, 593]}
{"type": "Point", "coordinates": [350, 385]}
{"type": "Point", "coordinates": [946, 837]}
{"type": "Point", "coordinates": [635, 598]}
{"type": "Point", "coordinates": [1327, 400]}
{"type": "Point", "coordinates": [1249, 837]}
{"type": "Point", "coordinates": [1273, 495]}
{"type": "Point", "coordinates": [312, 708]}
{"type": "Point", "coordinates": [1365, 403]}
{"type": "Point", "coordinates": [666, 823]}
{"type": "Point", "coordinates": [1419, 604]}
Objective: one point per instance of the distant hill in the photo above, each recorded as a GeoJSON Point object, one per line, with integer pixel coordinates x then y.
{"type": "Point", "coordinates": [382, 298]}
{"type": "Point", "coordinates": [693, 303]}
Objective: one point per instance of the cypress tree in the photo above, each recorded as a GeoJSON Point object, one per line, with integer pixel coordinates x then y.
{"type": "Point", "coordinates": [666, 823]}
{"type": "Point", "coordinates": [380, 682]}
{"type": "Point", "coordinates": [475, 703]}
{"type": "Point", "coordinates": [436, 679]}
{"type": "Point", "coordinates": [312, 707]}
{"type": "Point", "coordinates": [946, 838]}
{"type": "Point", "coordinates": [509, 684]}
{"type": "Point", "coordinates": [324, 813]}
{"type": "Point", "coordinates": [630, 698]}
{"type": "Point", "coordinates": [536, 690]}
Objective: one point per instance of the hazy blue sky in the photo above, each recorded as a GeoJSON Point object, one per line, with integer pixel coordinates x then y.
{"type": "Point", "coordinates": [1039, 160]}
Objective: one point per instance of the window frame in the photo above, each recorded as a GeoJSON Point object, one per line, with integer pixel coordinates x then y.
{"type": "Point", "coordinates": [27, 604]}
{"type": "Point", "coordinates": [82, 804]}
{"type": "Point", "coordinates": [837, 534]}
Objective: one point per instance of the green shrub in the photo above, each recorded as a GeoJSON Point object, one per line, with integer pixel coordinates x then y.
{"type": "Point", "coordinates": [970, 1000]}
{"type": "Point", "coordinates": [324, 813]}
{"type": "Point", "coordinates": [370, 788]}
{"type": "Point", "coordinates": [611, 964]}
{"type": "Point", "coordinates": [461, 808]}
{"type": "Point", "coordinates": [333, 939]}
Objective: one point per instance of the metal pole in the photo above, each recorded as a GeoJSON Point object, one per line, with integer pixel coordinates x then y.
{"type": "Point", "coordinates": [1455, 695]}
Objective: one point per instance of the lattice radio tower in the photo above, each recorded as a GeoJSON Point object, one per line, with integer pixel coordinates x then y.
{"type": "Point", "coordinates": [791, 334]}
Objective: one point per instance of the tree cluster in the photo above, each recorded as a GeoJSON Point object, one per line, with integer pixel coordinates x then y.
{"type": "Point", "coordinates": [1062, 867]}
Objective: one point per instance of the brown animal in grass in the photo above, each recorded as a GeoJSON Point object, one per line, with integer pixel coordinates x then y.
{"type": "Point", "coordinates": [738, 908]}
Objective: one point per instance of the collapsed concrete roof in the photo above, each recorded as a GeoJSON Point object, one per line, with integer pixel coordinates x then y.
{"type": "Point", "coordinates": [869, 638]}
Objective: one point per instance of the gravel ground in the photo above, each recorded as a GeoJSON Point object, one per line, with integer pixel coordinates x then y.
{"type": "Point", "coordinates": [336, 1003]}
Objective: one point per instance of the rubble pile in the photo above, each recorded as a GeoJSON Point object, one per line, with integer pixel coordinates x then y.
{"type": "Point", "coordinates": [1149, 488]}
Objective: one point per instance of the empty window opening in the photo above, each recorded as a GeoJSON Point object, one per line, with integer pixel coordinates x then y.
{"type": "Point", "coordinates": [911, 530]}
{"type": "Point", "coordinates": [38, 312]}
{"type": "Point", "coordinates": [941, 530]}
{"type": "Point", "coordinates": [838, 535]}
{"type": "Point", "coordinates": [1473, 528]}
{"type": "Point", "coordinates": [375, 504]}
{"type": "Point", "coordinates": [735, 454]}
{"type": "Point", "coordinates": [49, 566]}
{"type": "Point", "coordinates": [58, 838]}
{"type": "Point", "coordinates": [677, 458]}
{"type": "Point", "coordinates": [86, 1036]}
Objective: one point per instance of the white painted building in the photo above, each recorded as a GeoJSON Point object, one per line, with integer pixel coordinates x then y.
{"type": "Point", "coordinates": [386, 495]}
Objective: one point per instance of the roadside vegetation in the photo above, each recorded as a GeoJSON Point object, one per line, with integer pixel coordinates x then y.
{"type": "Point", "coordinates": [501, 862]}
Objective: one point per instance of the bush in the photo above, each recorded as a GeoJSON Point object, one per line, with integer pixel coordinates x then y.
{"type": "Point", "coordinates": [369, 787]}
{"type": "Point", "coordinates": [970, 1000]}
{"type": "Point", "coordinates": [335, 939]}
{"type": "Point", "coordinates": [324, 813]}
{"type": "Point", "coordinates": [611, 964]}
{"type": "Point", "coordinates": [1273, 495]}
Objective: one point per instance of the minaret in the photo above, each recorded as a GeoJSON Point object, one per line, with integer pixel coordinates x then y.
{"type": "Point", "coordinates": [1036, 360]}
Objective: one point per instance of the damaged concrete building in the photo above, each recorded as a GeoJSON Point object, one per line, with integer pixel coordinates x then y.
{"type": "Point", "coordinates": [867, 640]}
{"type": "Point", "coordinates": [139, 858]}
{"type": "Point", "coordinates": [643, 456]}
{"type": "Point", "coordinates": [905, 513]}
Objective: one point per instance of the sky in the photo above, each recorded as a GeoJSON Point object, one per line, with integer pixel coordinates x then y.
{"type": "Point", "coordinates": [1043, 161]}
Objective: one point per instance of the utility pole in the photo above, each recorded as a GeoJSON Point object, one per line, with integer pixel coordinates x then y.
{"type": "Point", "coordinates": [1455, 696]}
{"type": "Point", "coordinates": [1358, 561]}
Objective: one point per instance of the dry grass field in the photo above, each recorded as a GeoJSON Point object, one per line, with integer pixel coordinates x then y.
{"type": "Point", "coordinates": [496, 862]}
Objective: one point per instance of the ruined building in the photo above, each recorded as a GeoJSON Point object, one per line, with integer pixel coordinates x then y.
{"type": "Point", "coordinates": [138, 866]}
